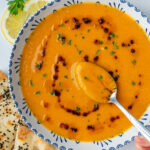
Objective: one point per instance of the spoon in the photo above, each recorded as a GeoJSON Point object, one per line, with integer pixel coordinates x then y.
{"type": "Point", "coordinates": [99, 85]}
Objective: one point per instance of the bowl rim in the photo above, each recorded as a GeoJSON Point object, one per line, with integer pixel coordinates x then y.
{"type": "Point", "coordinates": [12, 56]}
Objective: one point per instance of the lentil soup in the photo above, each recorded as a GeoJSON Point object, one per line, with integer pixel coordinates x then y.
{"type": "Point", "coordinates": [93, 33]}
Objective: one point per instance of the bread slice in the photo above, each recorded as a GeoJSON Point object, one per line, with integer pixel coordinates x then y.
{"type": "Point", "coordinates": [9, 117]}
{"type": "Point", "coordinates": [27, 140]}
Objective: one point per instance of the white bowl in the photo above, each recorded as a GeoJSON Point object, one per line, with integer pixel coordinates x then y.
{"type": "Point", "coordinates": [30, 120]}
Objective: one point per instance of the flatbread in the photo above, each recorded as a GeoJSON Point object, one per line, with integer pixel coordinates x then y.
{"type": "Point", "coordinates": [9, 117]}
{"type": "Point", "coordinates": [27, 140]}
{"type": "Point", "coordinates": [14, 135]}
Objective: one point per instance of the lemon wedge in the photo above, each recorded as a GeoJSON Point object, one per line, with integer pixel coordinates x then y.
{"type": "Point", "coordinates": [12, 24]}
{"type": "Point", "coordinates": [36, 6]}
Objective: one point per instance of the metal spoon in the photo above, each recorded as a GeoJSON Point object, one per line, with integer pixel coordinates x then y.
{"type": "Point", "coordinates": [90, 86]}
{"type": "Point", "coordinates": [144, 131]}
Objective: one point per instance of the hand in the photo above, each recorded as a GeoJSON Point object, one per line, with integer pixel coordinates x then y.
{"type": "Point", "coordinates": [141, 143]}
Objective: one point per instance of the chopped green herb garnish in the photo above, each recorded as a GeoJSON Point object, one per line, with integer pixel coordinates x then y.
{"type": "Point", "coordinates": [37, 92]}
{"type": "Point", "coordinates": [85, 78]}
{"type": "Point", "coordinates": [63, 42]}
{"type": "Point", "coordinates": [105, 47]}
{"type": "Point", "coordinates": [101, 42]}
{"type": "Point", "coordinates": [134, 62]}
{"type": "Point", "coordinates": [65, 76]}
{"type": "Point", "coordinates": [116, 47]}
{"type": "Point", "coordinates": [100, 77]}
{"type": "Point", "coordinates": [69, 42]}
{"type": "Point", "coordinates": [97, 118]}
{"type": "Point", "coordinates": [79, 52]}
{"type": "Point", "coordinates": [75, 35]}
{"type": "Point", "coordinates": [98, 114]}
{"type": "Point", "coordinates": [114, 43]}
{"type": "Point", "coordinates": [112, 35]}
{"type": "Point", "coordinates": [62, 25]}
{"type": "Point", "coordinates": [133, 83]}
{"type": "Point", "coordinates": [61, 90]}
{"type": "Point", "coordinates": [98, 51]}
{"type": "Point", "coordinates": [111, 53]}
{"type": "Point", "coordinates": [78, 109]}
{"type": "Point", "coordinates": [88, 30]}
{"type": "Point", "coordinates": [83, 37]}
{"type": "Point", "coordinates": [88, 120]}
{"type": "Point", "coordinates": [44, 75]}
{"type": "Point", "coordinates": [67, 90]}
{"type": "Point", "coordinates": [38, 66]}
{"type": "Point", "coordinates": [59, 36]}
{"type": "Point", "coordinates": [72, 79]}
{"type": "Point", "coordinates": [31, 83]}
{"type": "Point", "coordinates": [52, 92]}
{"type": "Point", "coordinates": [118, 76]}
{"type": "Point", "coordinates": [60, 83]}
{"type": "Point", "coordinates": [95, 105]}
{"type": "Point", "coordinates": [72, 96]}
{"type": "Point", "coordinates": [14, 6]}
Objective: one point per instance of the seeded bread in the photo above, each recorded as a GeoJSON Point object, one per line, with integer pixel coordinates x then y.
{"type": "Point", "coordinates": [27, 140]}
{"type": "Point", "coordinates": [9, 117]}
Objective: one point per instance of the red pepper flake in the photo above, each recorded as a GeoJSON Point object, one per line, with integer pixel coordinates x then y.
{"type": "Point", "coordinates": [130, 106]}
{"type": "Point", "coordinates": [140, 83]}
{"type": "Point", "coordinates": [46, 104]}
{"type": "Point", "coordinates": [55, 77]}
{"type": "Point", "coordinates": [123, 44]}
{"type": "Point", "coordinates": [86, 20]}
{"type": "Point", "coordinates": [63, 125]}
{"type": "Point", "coordinates": [43, 53]}
{"type": "Point", "coordinates": [136, 96]}
{"type": "Point", "coordinates": [74, 129]}
{"type": "Point", "coordinates": [106, 30]}
{"type": "Point", "coordinates": [140, 75]}
{"type": "Point", "coordinates": [131, 41]}
{"type": "Point", "coordinates": [132, 50]}
{"type": "Point", "coordinates": [101, 21]}
{"type": "Point", "coordinates": [86, 58]}
{"type": "Point", "coordinates": [116, 57]}
{"type": "Point", "coordinates": [90, 127]}
{"type": "Point", "coordinates": [96, 58]}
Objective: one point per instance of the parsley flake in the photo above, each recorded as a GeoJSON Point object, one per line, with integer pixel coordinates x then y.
{"type": "Point", "coordinates": [65, 76]}
{"type": "Point", "coordinates": [101, 42]}
{"type": "Point", "coordinates": [60, 83]}
{"type": "Point", "coordinates": [31, 83]}
{"type": "Point", "coordinates": [85, 78]}
{"type": "Point", "coordinates": [37, 92]}
{"type": "Point", "coordinates": [69, 42]}
{"type": "Point", "coordinates": [78, 109]}
{"type": "Point", "coordinates": [98, 51]}
{"type": "Point", "coordinates": [44, 75]}
{"type": "Point", "coordinates": [134, 62]}
{"type": "Point", "coordinates": [95, 105]}
{"type": "Point", "coordinates": [112, 35]}
{"type": "Point", "coordinates": [133, 83]}
{"type": "Point", "coordinates": [100, 77]}
{"type": "Point", "coordinates": [111, 53]}
{"type": "Point", "coordinates": [59, 36]}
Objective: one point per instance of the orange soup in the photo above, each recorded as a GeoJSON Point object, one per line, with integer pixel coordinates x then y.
{"type": "Point", "coordinates": [93, 33]}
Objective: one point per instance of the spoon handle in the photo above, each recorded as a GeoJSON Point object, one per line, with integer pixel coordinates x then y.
{"type": "Point", "coordinates": [144, 131]}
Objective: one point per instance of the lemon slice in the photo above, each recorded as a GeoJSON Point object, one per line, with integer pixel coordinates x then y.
{"type": "Point", "coordinates": [36, 6]}
{"type": "Point", "coordinates": [12, 24]}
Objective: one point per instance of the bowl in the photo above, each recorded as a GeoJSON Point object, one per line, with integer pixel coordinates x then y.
{"type": "Point", "coordinates": [29, 119]}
